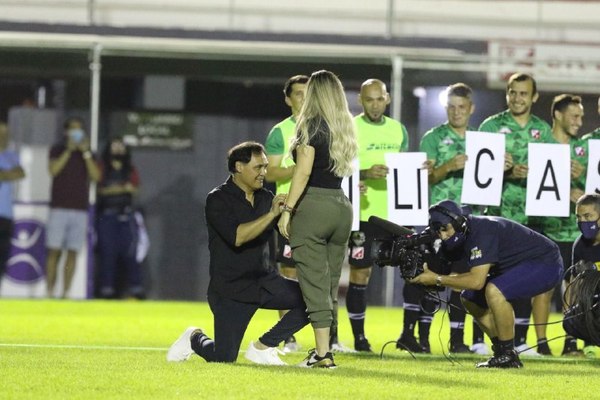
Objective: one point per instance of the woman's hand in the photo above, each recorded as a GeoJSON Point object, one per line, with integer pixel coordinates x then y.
{"type": "Point", "coordinates": [284, 224]}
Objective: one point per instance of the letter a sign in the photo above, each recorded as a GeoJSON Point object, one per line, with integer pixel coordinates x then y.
{"type": "Point", "coordinates": [548, 180]}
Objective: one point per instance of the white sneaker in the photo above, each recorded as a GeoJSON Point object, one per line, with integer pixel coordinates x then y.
{"type": "Point", "coordinates": [291, 347]}
{"type": "Point", "coordinates": [181, 349]}
{"type": "Point", "coordinates": [268, 356]}
{"type": "Point", "coordinates": [341, 348]}
{"type": "Point", "coordinates": [480, 348]}
{"type": "Point", "coordinates": [524, 350]}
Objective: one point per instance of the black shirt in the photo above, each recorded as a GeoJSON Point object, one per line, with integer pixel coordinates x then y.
{"type": "Point", "coordinates": [237, 273]}
{"type": "Point", "coordinates": [116, 202]}
{"type": "Point", "coordinates": [584, 249]}
{"type": "Point", "coordinates": [321, 174]}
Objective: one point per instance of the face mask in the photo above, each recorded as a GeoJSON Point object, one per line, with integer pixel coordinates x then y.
{"type": "Point", "coordinates": [454, 241]}
{"type": "Point", "coordinates": [76, 135]}
{"type": "Point", "coordinates": [589, 229]}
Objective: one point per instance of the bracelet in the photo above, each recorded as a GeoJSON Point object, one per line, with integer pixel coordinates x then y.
{"type": "Point", "coordinates": [287, 208]}
{"type": "Point", "coordinates": [438, 281]}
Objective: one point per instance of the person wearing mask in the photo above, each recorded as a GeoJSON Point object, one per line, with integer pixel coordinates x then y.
{"type": "Point", "coordinates": [506, 261]}
{"type": "Point", "coordinates": [117, 227]}
{"type": "Point", "coordinates": [72, 167]}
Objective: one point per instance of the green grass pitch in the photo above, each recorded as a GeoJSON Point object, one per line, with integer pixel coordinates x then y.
{"type": "Point", "coordinates": [52, 349]}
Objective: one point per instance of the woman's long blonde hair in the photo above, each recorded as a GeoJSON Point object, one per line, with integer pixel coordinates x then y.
{"type": "Point", "coordinates": [325, 101]}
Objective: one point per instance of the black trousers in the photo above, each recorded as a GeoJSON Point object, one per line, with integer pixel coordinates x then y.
{"type": "Point", "coordinates": [231, 318]}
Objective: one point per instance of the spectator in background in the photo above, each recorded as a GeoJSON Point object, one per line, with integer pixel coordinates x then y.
{"type": "Point", "coordinates": [10, 171]}
{"type": "Point", "coordinates": [72, 167]}
{"type": "Point", "coordinates": [117, 227]}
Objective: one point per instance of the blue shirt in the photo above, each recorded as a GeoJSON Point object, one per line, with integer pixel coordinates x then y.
{"type": "Point", "coordinates": [506, 244]}
{"type": "Point", "coordinates": [8, 160]}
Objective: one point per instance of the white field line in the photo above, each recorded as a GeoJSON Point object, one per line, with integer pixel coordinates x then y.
{"type": "Point", "coordinates": [82, 347]}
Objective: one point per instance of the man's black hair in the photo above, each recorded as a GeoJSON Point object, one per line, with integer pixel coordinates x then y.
{"type": "Point", "coordinates": [243, 152]}
{"type": "Point", "coordinates": [287, 88]}
{"type": "Point", "coordinates": [521, 77]}
{"type": "Point", "coordinates": [590, 199]}
{"type": "Point", "coordinates": [107, 157]}
{"type": "Point", "coordinates": [562, 101]}
{"type": "Point", "coordinates": [70, 120]}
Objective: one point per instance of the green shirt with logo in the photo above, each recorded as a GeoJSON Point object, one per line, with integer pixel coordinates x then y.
{"type": "Point", "coordinates": [514, 191]}
{"type": "Point", "coordinates": [278, 144]}
{"type": "Point", "coordinates": [442, 144]}
{"type": "Point", "coordinates": [374, 141]}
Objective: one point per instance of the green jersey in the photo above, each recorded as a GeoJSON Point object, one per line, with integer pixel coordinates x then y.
{"type": "Point", "coordinates": [374, 141]}
{"type": "Point", "coordinates": [514, 191]}
{"type": "Point", "coordinates": [278, 144]}
{"type": "Point", "coordinates": [565, 229]}
{"type": "Point", "coordinates": [442, 144]}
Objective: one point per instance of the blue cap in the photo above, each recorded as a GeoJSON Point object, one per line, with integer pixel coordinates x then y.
{"type": "Point", "coordinates": [439, 218]}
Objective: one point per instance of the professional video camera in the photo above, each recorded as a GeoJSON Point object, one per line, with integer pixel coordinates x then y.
{"type": "Point", "coordinates": [406, 249]}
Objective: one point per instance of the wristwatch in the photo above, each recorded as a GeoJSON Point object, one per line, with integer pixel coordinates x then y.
{"type": "Point", "coordinates": [438, 281]}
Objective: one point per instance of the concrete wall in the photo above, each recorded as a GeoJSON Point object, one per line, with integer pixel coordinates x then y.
{"type": "Point", "coordinates": [570, 21]}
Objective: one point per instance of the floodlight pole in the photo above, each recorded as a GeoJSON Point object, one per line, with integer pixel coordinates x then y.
{"type": "Point", "coordinates": [95, 69]}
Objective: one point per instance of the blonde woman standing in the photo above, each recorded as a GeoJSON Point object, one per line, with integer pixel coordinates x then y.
{"type": "Point", "coordinates": [317, 216]}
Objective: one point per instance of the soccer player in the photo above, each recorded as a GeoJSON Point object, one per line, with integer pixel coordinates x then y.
{"type": "Point", "coordinates": [280, 170]}
{"type": "Point", "coordinates": [520, 127]}
{"type": "Point", "coordinates": [445, 148]}
{"type": "Point", "coordinates": [567, 119]}
{"type": "Point", "coordinates": [377, 135]}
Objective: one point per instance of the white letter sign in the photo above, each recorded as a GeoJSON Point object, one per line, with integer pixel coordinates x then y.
{"type": "Point", "coordinates": [407, 189]}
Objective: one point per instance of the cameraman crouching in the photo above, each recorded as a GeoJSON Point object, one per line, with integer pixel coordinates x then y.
{"type": "Point", "coordinates": [507, 261]}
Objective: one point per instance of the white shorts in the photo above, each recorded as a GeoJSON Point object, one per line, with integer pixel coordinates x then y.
{"type": "Point", "coordinates": [66, 229]}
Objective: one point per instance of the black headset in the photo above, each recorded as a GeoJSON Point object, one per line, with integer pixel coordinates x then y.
{"type": "Point", "coordinates": [459, 222]}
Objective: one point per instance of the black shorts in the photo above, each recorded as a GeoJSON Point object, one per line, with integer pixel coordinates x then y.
{"type": "Point", "coordinates": [360, 244]}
